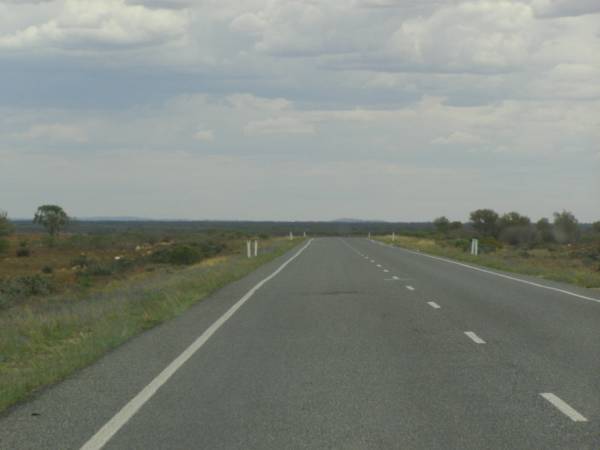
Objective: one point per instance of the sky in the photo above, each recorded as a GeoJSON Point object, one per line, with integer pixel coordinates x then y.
{"type": "Point", "coordinates": [400, 110]}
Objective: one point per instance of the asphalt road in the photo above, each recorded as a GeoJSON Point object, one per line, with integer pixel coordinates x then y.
{"type": "Point", "coordinates": [351, 345]}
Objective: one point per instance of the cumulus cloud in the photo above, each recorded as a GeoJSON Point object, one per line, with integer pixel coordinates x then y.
{"type": "Point", "coordinates": [469, 37]}
{"type": "Point", "coordinates": [82, 24]}
{"type": "Point", "coordinates": [295, 28]}
{"type": "Point", "coordinates": [395, 87]}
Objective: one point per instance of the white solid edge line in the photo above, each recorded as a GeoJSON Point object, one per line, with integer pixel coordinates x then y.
{"type": "Point", "coordinates": [410, 288]}
{"type": "Point", "coordinates": [564, 407]}
{"type": "Point", "coordinates": [520, 280]}
{"type": "Point", "coordinates": [474, 337]}
{"type": "Point", "coordinates": [105, 433]}
{"type": "Point", "coordinates": [434, 305]}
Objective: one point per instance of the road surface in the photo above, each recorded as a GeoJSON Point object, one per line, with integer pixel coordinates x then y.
{"type": "Point", "coordinates": [343, 344]}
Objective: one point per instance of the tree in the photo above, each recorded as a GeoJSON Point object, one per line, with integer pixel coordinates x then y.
{"type": "Point", "coordinates": [596, 227]}
{"type": "Point", "coordinates": [441, 224]}
{"type": "Point", "coordinates": [545, 230]}
{"type": "Point", "coordinates": [456, 225]}
{"type": "Point", "coordinates": [513, 219]}
{"type": "Point", "coordinates": [52, 217]}
{"type": "Point", "coordinates": [516, 229]}
{"type": "Point", "coordinates": [6, 228]}
{"type": "Point", "coordinates": [485, 221]}
{"type": "Point", "coordinates": [566, 226]}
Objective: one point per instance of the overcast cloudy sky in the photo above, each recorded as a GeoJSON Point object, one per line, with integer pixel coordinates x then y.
{"type": "Point", "coordinates": [300, 109]}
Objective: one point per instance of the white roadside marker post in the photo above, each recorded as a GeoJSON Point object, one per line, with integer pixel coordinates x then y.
{"type": "Point", "coordinates": [291, 236]}
{"type": "Point", "coordinates": [369, 235]}
{"type": "Point", "coordinates": [249, 249]}
{"type": "Point", "coordinates": [475, 247]}
{"type": "Point", "coordinates": [305, 234]}
{"type": "Point", "coordinates": [393, 237]}
{"type": "Point", "coordinates": [256, 248]}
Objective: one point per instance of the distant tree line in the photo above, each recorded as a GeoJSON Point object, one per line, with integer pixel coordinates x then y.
{"type": "Point", "coordinates": [516, 229]}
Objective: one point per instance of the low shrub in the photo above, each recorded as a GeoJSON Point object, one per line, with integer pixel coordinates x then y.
{"type": "Point", "coordinates": [463, 244]}
{"type": "Point", "coordinates": [179, 255]}
{"type": "Point", "coordinates": [211, 248]}
{"type": "Point", "coordinates": [489, 245]}
{"type": "Point", "coordinates": [26, 286]}
{"type": "Point", "coordinates": [3, 246]}
{"type": "Point", "coordinates": [99, 270]}
{"type": "Point", "coordinates": [23, 252]}
{"type": "Point", "coordinates": [82, 261]}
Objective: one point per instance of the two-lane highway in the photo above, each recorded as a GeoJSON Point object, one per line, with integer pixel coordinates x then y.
{"type": "Point", "coordinates": [350, 345]}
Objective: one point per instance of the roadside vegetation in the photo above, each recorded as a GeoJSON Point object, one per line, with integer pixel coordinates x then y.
{"type": "Point", "coordinates": [66, 299]}
{"type": "Point", "coordinates": [559, 249]}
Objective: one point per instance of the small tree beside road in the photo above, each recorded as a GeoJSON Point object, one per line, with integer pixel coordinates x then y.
{"type": "Point", "coordinates": [566, 227]}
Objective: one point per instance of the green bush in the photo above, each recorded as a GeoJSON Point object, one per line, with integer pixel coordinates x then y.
{"type": "Point", "coordinates": [463, 244]}
{"type": "Point", "coordinates": [211, 248]}
{"type": "Point", "coordinates": [99, 270]}
{"type": "Point", "coordinates": [82, 261]}
{"type": "Point", "coordinates": [3, 246]}
{"type": "Point", "coordinates": [179, 255]}
{"type": "Point", "coordinates": [23, 251]}
{"type": "Point", "coordinates": [26, 286]}
{"type": "Point", "coordinates": [489, 245]}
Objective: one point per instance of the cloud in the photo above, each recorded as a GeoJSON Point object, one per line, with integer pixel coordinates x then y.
{"type": "Point", "coordinates": [572, 81]}
{"type": "Point", "coordinates": [483, 36]}
{"type": "Point", "coordinates": [296, 28]}
{"type": "Point", "coordinates": [204, 135]}
{"type": "Point", "coordinates": [458, 138]}
{"type": "Point", "coordinates": [248, 23]}
{"type": "Point", "coordinates": [94, 24]}
{"type": "Point", "coordinates": [431, 87]}
{"type": "Point", "coordinates": [280, 125]}
{"type": "Point", "coordinates": [565, 8]}
{"type": "Point", "coordinates": [55, 132]}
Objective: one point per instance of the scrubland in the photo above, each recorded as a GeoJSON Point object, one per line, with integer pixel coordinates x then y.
{"type": "Point", "coordinates": [63, 304]}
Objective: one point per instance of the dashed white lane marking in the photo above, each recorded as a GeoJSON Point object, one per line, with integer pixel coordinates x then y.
{"type": "Point", "coordinates": [501, 275]}
{"type": "Point", "coordinates": [395, 277]}
{"type": "Point", "coordinates": [474, 337]}
{"type": "Point", "coordinates": [385, 270]}
{"type": "Point", "coordinates": [379, 265]}
{"type": "Point", "coordinates": [410, 288]}
{"type": "Point", "coordinates": [373, 261]}
{"type": "Point", "coordinates": [564, 407]}
{"type": "Point", "coordinates": [102, 436]}
{"type": "Point", "coordinates": [434, 305]}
